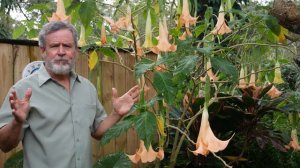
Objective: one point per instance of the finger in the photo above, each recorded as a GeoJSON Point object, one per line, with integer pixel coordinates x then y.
{"type": "Point", "coordinates": [13, 95]}
{"type": "Point", "coordinates": [12, 104]}
{"type": "Point", "coordinates": [28, 94]}
{"type": "Point", "coordinates": [135, 99]}
{"type": "Point", "coordinates": [134, 89]}
{"type": "Point", "coordinates": [114, 93]}
{"type": "Point", "coordinates": [135, 94]}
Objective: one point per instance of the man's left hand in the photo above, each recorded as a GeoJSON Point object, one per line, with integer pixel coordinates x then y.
{"type": "Point", "coordinates": [123, 104]}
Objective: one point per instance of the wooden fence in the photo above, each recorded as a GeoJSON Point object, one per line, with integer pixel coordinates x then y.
{"type": "Point", "coordinates": [15, 55]}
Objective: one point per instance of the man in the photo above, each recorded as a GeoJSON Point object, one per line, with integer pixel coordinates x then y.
{"type": "Point", "coordinates": [54, 111]}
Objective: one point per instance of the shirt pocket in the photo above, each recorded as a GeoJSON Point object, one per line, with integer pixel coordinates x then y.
{"type": "Point", "coordinates": [86, 114]}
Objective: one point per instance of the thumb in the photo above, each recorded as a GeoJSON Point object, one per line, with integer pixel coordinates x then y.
{"type": "Point", "coordinates": [114, 93]}
{"type": "Point", "coordinates": [28, 94]}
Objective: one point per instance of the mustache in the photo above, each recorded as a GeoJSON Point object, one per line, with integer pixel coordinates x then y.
{"type": "Point", "coordinates": [60, 60]}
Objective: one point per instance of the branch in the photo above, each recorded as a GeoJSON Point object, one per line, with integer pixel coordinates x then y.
{"type": "Point", "coordinates": [218, 157]}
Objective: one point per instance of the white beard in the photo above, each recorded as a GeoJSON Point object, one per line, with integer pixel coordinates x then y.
{"type": "Point", "coordinates": [59, 68]}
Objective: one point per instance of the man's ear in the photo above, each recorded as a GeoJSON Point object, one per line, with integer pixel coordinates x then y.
{"type": "Point", "coordinates": [43, 52]}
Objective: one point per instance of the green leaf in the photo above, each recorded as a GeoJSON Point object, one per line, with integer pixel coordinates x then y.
{"type": "Point", "coordinates": [224, 66]}
{"type": "Point", "coordinates": [145, 125]}
{"type": "Point", "coordinates": [163, 84]}
{"type": "Point", "coordinates": [205, 50]}
{"type": "Point", "coordinates": [87, 12]}
{"type": "Point", "coordinates": [186, 65]}
{"type": "Point", "coordinates": [200, 29]}
{"type": "Point", "coordinates": [15, 160]}
{"type": "Point", "coordinates": [18, 31]}
{"type": "Point", "coordinates": [115, 160]}
{"type": "Point", "coordinates": [143, 66]}
{"type": "Point", "coordinates": [117, 130]}
{"type": "Point", "coordinates": [107, 52]}
{"type": "Point", "coordinates": [272, 24]}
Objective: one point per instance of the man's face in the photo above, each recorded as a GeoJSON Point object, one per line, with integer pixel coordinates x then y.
{"type": "Point", "coordinates": [59, 53]}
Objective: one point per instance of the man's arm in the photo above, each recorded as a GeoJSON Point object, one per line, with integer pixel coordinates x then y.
{"type": "Point", "coordinates": [121, 106]}
{"type": "Point", "coordinates": [10, 134]}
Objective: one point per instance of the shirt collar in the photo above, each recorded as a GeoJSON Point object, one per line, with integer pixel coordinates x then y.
{"type": "Point", "coordinates": [43, 75]}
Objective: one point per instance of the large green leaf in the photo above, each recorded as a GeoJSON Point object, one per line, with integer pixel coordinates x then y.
{"type": "Point", "coordinates": [224, 66]}
{"type": "Point", "coordinates": [107, 52]}
{"type": "Point", "coordinates": [186, 65]}
{"type": "Point", "coordinates": [145, 126]}
{"type": "Point", "coordinates": [115, 160]}
{"type": "Point", "coordinates": [164, 85]}
{"type": "Point", "coordinates": [87, 12]}
{"type": "Point", "coordinates": [143, 66]}
{"type": "Point", "coordinates": [116, 130]}
{"type": "Point", "coordinates": [18, 31]}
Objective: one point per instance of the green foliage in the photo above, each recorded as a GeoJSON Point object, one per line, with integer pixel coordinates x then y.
{"type": "Point", "coordinates": [145, 125]}
{"type": "Point", "coordinates": [15, 161]}
{"type": "Point", "coordinates": [115, 160]}
{"type": "Point", "coordinates": [162, 82]}
{"type": "Point", "coordinates": [118, 129]}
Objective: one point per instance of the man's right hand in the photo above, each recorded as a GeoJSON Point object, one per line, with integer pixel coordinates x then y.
{"type": "Point", "coordinates": [20, 108]}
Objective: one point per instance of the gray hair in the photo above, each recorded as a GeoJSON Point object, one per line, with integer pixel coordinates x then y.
{"type": "Point", "coordinates": [53, 27]}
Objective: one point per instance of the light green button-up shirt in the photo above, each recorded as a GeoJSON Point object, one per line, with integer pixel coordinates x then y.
{"type": "Point", "coordinates": [59, 125]}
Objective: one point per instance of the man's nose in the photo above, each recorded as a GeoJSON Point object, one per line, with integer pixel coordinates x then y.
{"type": "Point", "coordinates": [61, 50]}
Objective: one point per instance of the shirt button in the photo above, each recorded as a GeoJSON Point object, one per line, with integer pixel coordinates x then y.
{"type": "Point", "coordinates": [76, 121]}
{"type": "Point", "coordinates": [78, 159]}
{"type": "Point", "coordinates": [77, 139]}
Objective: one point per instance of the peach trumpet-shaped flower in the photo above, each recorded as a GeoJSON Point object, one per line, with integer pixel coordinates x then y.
{"type": "Point", "coordinates": [209, 72]}
{"type": "Point", "coordinates": [294, 143]}
{"type": "Point", "coordinates": [160, 67]}
{"type": "Point", "coordinates": [103, 34]}
{"type": "Point", "coordinates": [242, 81]}
{"type": "Point", "coordinates": [185, 18]}
{"type": "Point", "coordinates": [274, 92]}
{"type": "Point", "coordinates": [148, 32]}
{"type": "Point", "coordinates": [221, 27]}
{"type": "Point", "coordinates": [277, 76]}
{"type": "Point", "coordinates": [139, 48]}
{"type": "Point", "coordinates": [163, 42]}
{"type": "Point", "coordinates": [252, 79]}
{"type": "Point", "coordinates": [123, 23]}
{"type": "Point", "coordinates": [81, 41]}
{"type": "Point", "coordinates": [207, 141]}
{"type": "Point", "coordinates": [145, 155]}
{"type": "Point", "coordinates": [60, 14]}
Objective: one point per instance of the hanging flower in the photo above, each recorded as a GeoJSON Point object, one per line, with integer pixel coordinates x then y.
{"type": "Point", "coordinates": [185, 34]}
{"type": "Point", "coordinates": [277, 77]}
{"type": "Point", "coordinates": [103, 34]}
{"type": "Point", "coordinates": [294, 144]}
{"type": "Point", "coordinates": [123, 23]}
{"type": "Point", "coordinates": [163, 42]}
{"type": "Point", "coordinates": [139, 48]}
{"type": "Point", "coordinates": [242, 81]}
{"type": "Point", "coordinates": [210, 73]}
{"type": "Point", "coordinates": [185, 18]}
{"type": "Point", "coordinates": [81, 41]}
{"type": "Point", "coordinates": [60, 14]}
{"type": "Point", "coordinates": [160, 67]}
{"type": "Point", "coordinates": [207, 141]}
{"type": "Point", "coordinates": [221, 27]}
{"type": "Point", "coordinates": [145, 155]}
{"type": "Point", "coordinates": [252, 79]}
{"type": "Point", "coordinates": [274, 92]}
{"type": "Point", "coordinates": [148, 37]}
